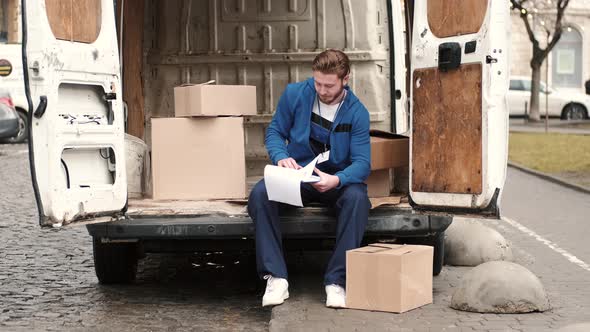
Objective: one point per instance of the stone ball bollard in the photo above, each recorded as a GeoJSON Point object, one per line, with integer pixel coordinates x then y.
{"type": "Point", "coordinates": [500, 287]}
{"type": "Point", "coordinates": [470, 243]}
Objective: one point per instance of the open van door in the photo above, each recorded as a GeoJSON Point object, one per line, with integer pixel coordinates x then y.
{"type": "Point", "coordinates": [459, 113]}
{"type": "Point", "coordinates": [72, 82]}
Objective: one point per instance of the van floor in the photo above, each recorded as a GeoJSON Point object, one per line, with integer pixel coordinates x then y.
{"type": "Point", "coordinates": [151, 207]}
{"type": "Point", "coordinates": [234, 207]}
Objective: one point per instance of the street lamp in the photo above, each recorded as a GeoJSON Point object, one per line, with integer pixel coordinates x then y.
{"type": "Point", "coordinates": [546, 82]}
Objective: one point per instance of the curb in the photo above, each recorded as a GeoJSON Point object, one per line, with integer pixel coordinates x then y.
{"type": "Point", "coordinates": [542, 131]}
{"type": "Point", "coordinates": [550, 178]}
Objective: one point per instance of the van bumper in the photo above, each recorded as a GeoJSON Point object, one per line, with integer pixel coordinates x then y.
{"type": "Point", "coordinates": [299, 226]}
{"type": "Point", "coordinates": [8, 127]}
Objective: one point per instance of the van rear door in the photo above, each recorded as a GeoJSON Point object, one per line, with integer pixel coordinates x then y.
{"type": "Point", "coordinates": [459, 114]}
{"type": "Point", "coordinates": [72, 81]}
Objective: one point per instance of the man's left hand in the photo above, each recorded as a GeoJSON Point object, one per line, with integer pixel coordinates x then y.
{"type": "Point", "coordinates": [327, 181]}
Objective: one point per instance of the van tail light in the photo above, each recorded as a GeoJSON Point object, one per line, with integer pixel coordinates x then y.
{"type": "Point", "coordinates": [7, 101]}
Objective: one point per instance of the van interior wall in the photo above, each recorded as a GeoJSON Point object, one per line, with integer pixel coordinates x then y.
{"type": "Point", "coordinates": [266, 44]}
{"type": "Point", "coordinates": [133, 13]}
{"type": "Point", "coordinates": [10, 16]}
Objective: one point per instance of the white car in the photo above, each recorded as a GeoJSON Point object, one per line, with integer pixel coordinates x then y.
{"type": "Point", "coordinates": [563, 104]}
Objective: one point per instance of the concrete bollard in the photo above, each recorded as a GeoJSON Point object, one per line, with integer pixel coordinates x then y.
{"type": "Point", "coordinates": [469, 243]}
{"type": "Point", "coordinates": [500, 287]}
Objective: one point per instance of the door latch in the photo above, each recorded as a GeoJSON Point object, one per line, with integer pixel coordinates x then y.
{"type": "Point", "coordinates": [489, 59]}
{"type": "Point", "coordinates": [109, 97]}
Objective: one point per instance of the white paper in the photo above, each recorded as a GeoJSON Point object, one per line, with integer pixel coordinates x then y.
{"type": "Point", "coordinates": [324, 156]}
{"type": "Point", "coordinates": [284, 184]}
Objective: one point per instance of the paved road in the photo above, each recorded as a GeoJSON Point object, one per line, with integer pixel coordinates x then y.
{"type": "Point", "coordinates": [548, 226]}
{"type": "Point", "coordinates": [557, 213]}
{"type": "Point", "coordinates": [47, 280]}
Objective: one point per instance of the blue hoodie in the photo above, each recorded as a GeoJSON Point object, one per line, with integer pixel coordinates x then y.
{"type": "Point", "coordinates": [288, 134]}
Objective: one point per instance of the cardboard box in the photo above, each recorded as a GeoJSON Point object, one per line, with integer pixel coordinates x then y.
{"type": "Point", "coordinates": [214, 100]}
{"type": "Point", "coordinates": [388, 150]}
{"type": "Point", "coordinates": [379, 183]}
{"type": "Point", "coordinates": [389, 277]}
{"type": "Point", "coordinates": [198, 158]}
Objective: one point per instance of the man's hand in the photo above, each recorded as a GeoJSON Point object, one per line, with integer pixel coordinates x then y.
{"type": "Point", "coordinates": [327, 181]}
{"type": "Point", "coordinates": [288, 163]}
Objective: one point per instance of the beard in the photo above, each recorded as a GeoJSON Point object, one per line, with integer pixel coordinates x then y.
{"type": "Point", "coordinates": [334, 99]}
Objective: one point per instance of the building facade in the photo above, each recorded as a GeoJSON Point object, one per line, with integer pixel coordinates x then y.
{"type": "Point", "coordinates": [569, 61]}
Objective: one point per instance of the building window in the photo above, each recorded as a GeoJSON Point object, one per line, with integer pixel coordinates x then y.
{"type": "Point", "coordinates": [567, 60]}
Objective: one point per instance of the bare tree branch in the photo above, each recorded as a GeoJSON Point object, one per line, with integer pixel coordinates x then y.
{"type": "Point", "coordinates": [519, 5]}
{"type": "Point", "coordinates": [528, 8]}
{"type": "Point", "coordinates": [558, 30]}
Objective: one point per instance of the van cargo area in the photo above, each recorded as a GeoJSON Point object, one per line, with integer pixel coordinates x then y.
{"type": "Point", "coordinates": [237, 43]}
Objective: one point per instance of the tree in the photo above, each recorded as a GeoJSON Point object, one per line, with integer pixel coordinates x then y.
{"type": "Point", "coordinates": [546, 13]}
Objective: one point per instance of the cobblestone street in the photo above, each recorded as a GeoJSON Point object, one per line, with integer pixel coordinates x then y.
{"type": "Point", "coordinates": [47, 279]}
{"type": "Point", "coordinates": [48, 283]}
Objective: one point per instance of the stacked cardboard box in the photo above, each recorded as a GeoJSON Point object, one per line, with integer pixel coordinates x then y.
{"type": "Point", "coordinates": [388, 151]}
{"type": "Point", "coordinates": [199, 154]}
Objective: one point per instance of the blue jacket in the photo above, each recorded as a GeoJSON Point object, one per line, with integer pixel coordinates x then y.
{"type": "Point", "coordinates": [288, 134]}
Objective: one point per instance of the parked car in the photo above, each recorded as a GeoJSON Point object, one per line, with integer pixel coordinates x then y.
{"type": "Point", "coordinates": [8, 117]}
{"type": "Point", "coordinates": [11, 73]}
{"type": "Point", "coordinates": [563, 104]}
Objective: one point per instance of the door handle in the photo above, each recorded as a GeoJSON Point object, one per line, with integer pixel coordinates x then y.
{"type": "Point", "coordinates": [449, 56]}
{"type": "Point", "coordinates": [41, 108]}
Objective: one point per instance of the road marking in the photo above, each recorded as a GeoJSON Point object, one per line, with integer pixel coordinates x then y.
{"type": "Point", "coordinates": [548, 243]}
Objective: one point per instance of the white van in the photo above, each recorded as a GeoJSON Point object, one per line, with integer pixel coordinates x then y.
{"type": "Point", "coordinates": [456, 115]}
{"type": "Point", "coordinates": [11, 69]}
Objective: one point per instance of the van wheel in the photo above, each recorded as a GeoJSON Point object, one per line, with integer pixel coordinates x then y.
{"type": "Point", "coordinates": [574, 112]}
{"type": "Point", "coordinates": [115, 263]}
{"type": "Point", "coordinates": [436, 241]}
{"type": "Point", "coordinates": [23, 129]}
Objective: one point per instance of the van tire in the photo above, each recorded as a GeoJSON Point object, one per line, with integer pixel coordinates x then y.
{"type": "Point", "coordinates": [115, 263]}
{"type": "Point", "coordinates": [23, 130]}
{"type": "Point", "coordinates": [436, 241]}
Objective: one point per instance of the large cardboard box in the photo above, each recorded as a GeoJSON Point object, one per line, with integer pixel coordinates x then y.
{"type": "Point", "coordinates": [379, 183]}
{"type": "Point", "coordinates": [389, 277]}
{"type": "Point", "coordinates": [388, 150]}
{"type": "Point", "coordinates": [214, 100]}
{"type": "Point", "coordinates": [198, 158]}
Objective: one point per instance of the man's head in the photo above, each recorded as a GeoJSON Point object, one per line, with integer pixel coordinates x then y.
{"type": "Point", "coordinates": [331, 70]}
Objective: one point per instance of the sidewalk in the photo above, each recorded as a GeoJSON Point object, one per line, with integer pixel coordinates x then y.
{"type": "Point", "coordinates": [567, 286]}
{"type": "Point", "coordinates": [577, 127]}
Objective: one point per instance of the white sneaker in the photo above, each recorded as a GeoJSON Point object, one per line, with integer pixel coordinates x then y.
{"type": "Point", "coordinates": [277, 291]}
{"type": "Point", "coordinates": [336, 296]}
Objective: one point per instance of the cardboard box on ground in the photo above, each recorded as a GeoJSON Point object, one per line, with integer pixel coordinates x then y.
{"type": "Point", "coordinates": [388, 152]}
{"type": "Point", "coordinates": [200, 154]}
{"type": "Point", "coordinates": [389, 277]}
